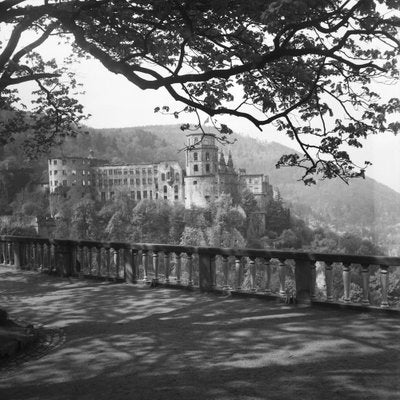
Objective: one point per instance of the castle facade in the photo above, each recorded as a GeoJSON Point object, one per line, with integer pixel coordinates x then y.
{"type": "Point", "coordinates": [206, 175]}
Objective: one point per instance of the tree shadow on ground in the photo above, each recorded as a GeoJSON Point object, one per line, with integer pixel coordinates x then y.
{"type": "Point", "coordinates": [138, 343]}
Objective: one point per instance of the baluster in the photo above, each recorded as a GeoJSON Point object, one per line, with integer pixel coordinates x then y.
{"type": "Point", "coordinates": [123, 263]}
{"type": "Point", "coordinates": [282, 276]}
{"type": "Point", "coordinates": [37, 256]}
{"type": "Point", "coordinates": [116, 263]}
{"type": "Point", "coordinates": [178, 267]}
{"type": "Point", "coordinates": [145, 260]}
{"type": "Point", "coordinates": [33, 255]}
{"type": "Point", "coordinates": [17, 255]}
{"type": "Point", "coordinates": [167, 266]}
{"type": "Point", "coordinates": [108, 261]}
{"type": "Point", "coordinates": [238, 268]}
{"type": "Point", "coordinates": [313, 290]}
{"type": "Point", "coordinates": [253, 272]}
{"type": "Point", "coordinates": [9, 253]}
{"type": "Point", "coordinates": [267, 274]}
{"type": "Point", "coordinates": [42, 257]}
{"type": "Point", "coordinates": [2, 253]}
{"type": "Point", "coordinates": [98, 260]}
{"type": "Point", "coordinates": [213, 270]}
{"type": "Point", "coordinates": [90, 259]}
{"type": "Point", "coordinates": [225, 270]}
{"type": "Point", "coordinates": [155, 265]}
{"type": "Point", "coordinates": [384, 285]}
{"type": "Point", "coordinates": [189, 261]}
{"type": "Point", "coordinates": [365, 283]}
{"type": "Point", "coordinates": [81, 262]}
{"type": "Point", "coordinates": [329, 281]}
{"type": "Point", "coordinates": [346, 282]}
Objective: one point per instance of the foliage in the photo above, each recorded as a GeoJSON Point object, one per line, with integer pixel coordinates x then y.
{"type": "Point", "coordinates": [305, 66]}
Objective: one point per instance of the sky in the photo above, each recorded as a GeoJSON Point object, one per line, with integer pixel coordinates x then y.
{"type": "Point", "coordinates": [113, 102]}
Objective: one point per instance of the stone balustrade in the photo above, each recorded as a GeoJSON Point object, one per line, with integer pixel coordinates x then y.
{"type": "Point", "coordinates": [305, 276]}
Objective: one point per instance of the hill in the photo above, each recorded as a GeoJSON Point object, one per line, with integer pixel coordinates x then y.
{"type": "Point", "coordinates": [363, 206]}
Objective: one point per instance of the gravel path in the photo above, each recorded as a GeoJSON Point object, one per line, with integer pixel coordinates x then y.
{"type": "Point", "coordinates": [116, 341]}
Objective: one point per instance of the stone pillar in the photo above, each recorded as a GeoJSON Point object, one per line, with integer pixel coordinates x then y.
{"type": "Point", "coordinates": [64, 254]}
{"type": "Point", "coordinates": [303, 276]}
{"type": "Point", "coordinates": [206, 272]}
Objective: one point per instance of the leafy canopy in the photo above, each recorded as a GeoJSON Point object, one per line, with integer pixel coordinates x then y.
{"type": "Point", "coordinates": [306, 66]}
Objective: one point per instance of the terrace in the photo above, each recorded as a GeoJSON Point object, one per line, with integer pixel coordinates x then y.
{"type": "Point", "coordinates": [228, 335]}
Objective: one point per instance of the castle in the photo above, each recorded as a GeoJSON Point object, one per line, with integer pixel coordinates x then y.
{"type": "Point", "coordinates": [205, 177]}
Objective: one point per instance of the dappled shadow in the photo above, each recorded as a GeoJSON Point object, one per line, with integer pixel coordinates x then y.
{"type": "Point", "coordinates": [123, 341]}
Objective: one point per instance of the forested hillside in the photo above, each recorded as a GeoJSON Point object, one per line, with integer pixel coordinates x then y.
{"type": "Point", "coordinates": [364, 206]}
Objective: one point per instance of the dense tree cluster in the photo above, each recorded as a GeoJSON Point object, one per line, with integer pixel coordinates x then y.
{"type": "Point", "coordinates": [307, 66]}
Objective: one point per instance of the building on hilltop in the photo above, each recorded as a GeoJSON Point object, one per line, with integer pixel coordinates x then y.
{"type": "Point", "coordinates": [207, 174]}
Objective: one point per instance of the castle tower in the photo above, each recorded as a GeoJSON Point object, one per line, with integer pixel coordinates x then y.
{"type": "Point", "coordinates": [201, 169]}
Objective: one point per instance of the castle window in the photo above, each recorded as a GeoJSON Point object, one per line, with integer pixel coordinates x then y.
{"type": "Point", "coordinates": [54, 162]}
{"type": "Point", "coordinates": [110, 172]}
{"type": "Point", "coordinates": [138, 195]}
{"type": "Point", "coordinates": [156, 195]}
{"type": "Point", "coordinates": [196, 168]}
{"type": "Point", "coordinates": [131, 172]}
{"type": "Point", "coordinates": [163, 177]}
{"type": "Point", "coordinates": [195, 156]}
{"type": "Point", "coordinates": [207, 156]}
{"type": "Point", "coordinates": [111, 195]}
{"type": "Point", "coordinates": [176, 189]}
{"type": "Point", "coordinates": [176, 197]}
{"type": "Point", "coordinates": [168, 176]}
{"type": "Point", "coordinates": [125, 172]}
{"type": "Point", "coordinates": [137, 181]}
{"type": "Point", "coordinates": [177, 176]}
{"type": "Point", "coordinates": [151, 194]}
{"type": "Point", "coordinates": [165, 189]}
{"type": "Point", "coordinates": [50, 172]}
{"type": "Point", "coordinates": [133, 195]}
{"type": "Point", "coordinates": [64, 172]}
{"type": "Point", "coordinates": [143, 181]}
{"type": "Point", "coordinates": [194, 182]}
{"type": "Point", "coordinates": [64, 162]}
{"type": "Point", "coordinates": [125, 181]}
{"type": "Point", "coordinates": [149, 171]}
{"type": "Point", "coordinates": [145, 194]}
{"type": "Point", "coordinates": [207, 167]}
{"type": "Point", "coordinates": [165, 198]}
{"type": "Point", "coordinates": [64, 183]}
{"type": "Point", "coordinates": [143, 170]}
{"type": "Point", "coordinates": [137, 171]}
{"type": "Point", "coordinates": [110, 182]}
{"type": "Point", "coordinates": [131, 181]}
{"type": "Point", "coordinates": [55, 183]}
{"type": "Point", "coordinates": [55, 172]}
{"type": "Point", "coordinates": [149, 180]}
{"type": "Point", "coordinates": [207, 198]}
{"type": "Point", "coordinates": [103, 196]}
